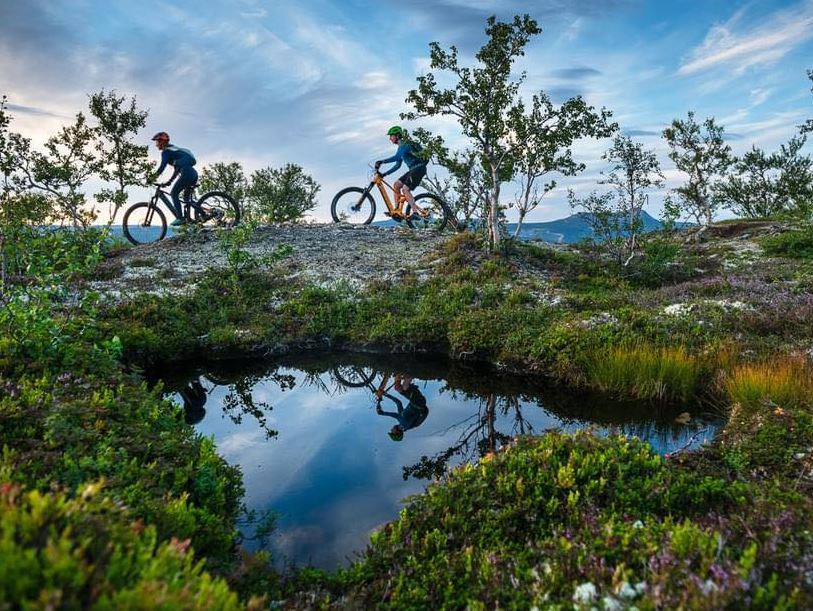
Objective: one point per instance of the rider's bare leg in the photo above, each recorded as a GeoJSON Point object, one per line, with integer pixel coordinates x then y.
{"type": "Point", "coordinates": [398, 186]}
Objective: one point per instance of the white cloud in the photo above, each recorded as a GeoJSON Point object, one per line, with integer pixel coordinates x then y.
{"type": "Point", "coordinates": [762, 44]}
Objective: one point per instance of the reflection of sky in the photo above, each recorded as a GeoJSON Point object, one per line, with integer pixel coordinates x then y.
{"type": "Point", "coordinates": [333, 474]}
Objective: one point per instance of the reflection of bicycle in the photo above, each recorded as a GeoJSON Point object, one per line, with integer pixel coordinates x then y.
{"type": "Point", "coordinates": [145, 222]}
{"type": "Point", "coordinates": [356, 206]}
{"type": "Point", "coordinates": [352, 376]}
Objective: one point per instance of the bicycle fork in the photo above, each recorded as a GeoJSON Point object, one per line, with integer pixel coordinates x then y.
{"type": "Point", "coordinates": [365, 193]}
{"type": "Point", "coordinates": [150, 213]}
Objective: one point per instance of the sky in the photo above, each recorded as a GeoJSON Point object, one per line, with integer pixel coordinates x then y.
{"type": "Point", "coordinates": [319, 82]}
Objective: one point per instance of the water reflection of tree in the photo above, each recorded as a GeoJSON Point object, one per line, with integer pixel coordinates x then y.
{"type": "Point", "coordinates": [479, 435]}
{"type": "Point", "coordinates": [239, 400]}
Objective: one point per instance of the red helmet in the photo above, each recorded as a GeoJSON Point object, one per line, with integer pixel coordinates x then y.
{"type": "Point", "coordinates": [161, 137]}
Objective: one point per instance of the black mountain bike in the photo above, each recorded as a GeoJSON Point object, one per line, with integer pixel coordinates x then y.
{"type": "Point", "coordinates": [145, 222]}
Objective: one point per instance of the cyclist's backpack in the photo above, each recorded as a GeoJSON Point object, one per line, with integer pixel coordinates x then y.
{"type": "Point", "coordinates": [183, 150]}
{"type": "Point", "coordinates": [418, 151]}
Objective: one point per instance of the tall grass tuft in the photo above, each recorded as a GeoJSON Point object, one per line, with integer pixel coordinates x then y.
{"type": "Point", "coordinates": [787, 383]}
{"type": "Point", "coordinates": [642, 371]}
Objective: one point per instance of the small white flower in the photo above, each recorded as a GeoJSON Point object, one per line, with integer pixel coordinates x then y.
{"type": "Point", "coordinates": [627, 591]}
{"type": "Point", "coordinates": [611, 604]}
{"type": "Point", "coordinates": [678, 309]}
{"type": "Point", "coordinates": [637, 524]}
{"type": "Point", "coordinates": [708, 587]}
{"type": "Point", "coordinates": [640, 587]}
{"type": "Point", "coordinates": [585, 593]}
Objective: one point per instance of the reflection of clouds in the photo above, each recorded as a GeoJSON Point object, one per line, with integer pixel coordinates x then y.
{"type": "Point", "coordinates": [236, 444]}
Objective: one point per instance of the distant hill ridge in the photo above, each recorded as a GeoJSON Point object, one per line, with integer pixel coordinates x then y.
{"type": "Point", "coordinates": [569, 230]}
{"type": "Point", "coordinates": [572, 229]}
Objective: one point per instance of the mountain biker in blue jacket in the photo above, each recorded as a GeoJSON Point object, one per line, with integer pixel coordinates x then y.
{"type": "Point", "coordinates": [182, 160]}
{"type": "Point", "coordinates": [408, 417]}
{"type": "Point", "coordinates": [408, 152]}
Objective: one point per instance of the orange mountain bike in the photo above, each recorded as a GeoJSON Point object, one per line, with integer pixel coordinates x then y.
{"type": "Point", "coordinates": [356, 206]}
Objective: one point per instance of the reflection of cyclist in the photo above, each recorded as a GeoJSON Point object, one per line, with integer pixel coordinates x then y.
{"type": "Point", "coordinates": [408, 417]}
{"type": "Point", "coordinates": [408, 152]}
{"type": "Point", "coordinates": [182, 160]}
{"type": "Point", "coordinates": [194, 398]}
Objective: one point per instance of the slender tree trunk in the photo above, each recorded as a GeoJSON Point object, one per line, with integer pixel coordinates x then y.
{"type": "Point", "coordinates": [494, 211]}
{"type": "Point", "coordinates": [2, 266]}
{"type": "Point", "coordinates": [491, 416]}
{"type": "Point", "coordinates": [519, 223]}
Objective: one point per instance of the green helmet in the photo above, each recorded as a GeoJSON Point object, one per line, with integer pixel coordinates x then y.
{"type": "Point", "coordinates": [395, 130]}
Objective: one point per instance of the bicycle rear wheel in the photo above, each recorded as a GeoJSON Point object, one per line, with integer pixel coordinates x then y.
{"type": "Point", "coordinates": [437, 217]}
{"type": "Point", "coordinates": [144, 223]}
{"type": "Point", "coordinates": [216, 209]}
{"type": "Point", "coordinates": [353, 205]}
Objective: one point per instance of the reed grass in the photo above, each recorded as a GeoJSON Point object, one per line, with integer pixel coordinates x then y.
{"type": "Point", "coordinates": [643, 371]}
{"type": "Point", "coordinates": [785, 383]}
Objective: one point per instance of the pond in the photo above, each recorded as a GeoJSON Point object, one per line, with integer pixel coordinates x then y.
{"type": "Point", "coordinates": [318, 450]}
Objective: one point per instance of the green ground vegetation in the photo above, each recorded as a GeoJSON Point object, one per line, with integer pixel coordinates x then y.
{"type": "Point", "coordinates": [91, 454]}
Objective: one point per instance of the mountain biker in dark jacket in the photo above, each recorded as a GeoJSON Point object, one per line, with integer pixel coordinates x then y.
{"type": "Point", "coordinates": [408, 152]}
{"type": "Point", "coordinates": [182, 160]}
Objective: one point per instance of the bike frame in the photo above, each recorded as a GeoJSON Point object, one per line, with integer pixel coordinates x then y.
{"type": "Point", "coordinates": [166, 197]}
{"type": "Point", "coordinates": [383, 187]}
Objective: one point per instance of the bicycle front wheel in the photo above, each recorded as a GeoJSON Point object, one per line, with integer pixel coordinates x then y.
{"type": "Point", "coordinates": [353, 205]}
{"type": "Point", "coordinates": [437, 213]}
{"type": "Point", "coordinates": [144, 223]}
{"type": "Point", "coordinates": [352, 376]}
{"type": "Point", "coordinates": [216, 209]}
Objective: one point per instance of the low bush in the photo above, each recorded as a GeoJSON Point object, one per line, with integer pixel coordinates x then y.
{"type": "Point", "coordinates": [86, 552]}
{"type": "Point", "coordinates": [564, 522]}
{"type": "Point", "coordinates": [796, 244]}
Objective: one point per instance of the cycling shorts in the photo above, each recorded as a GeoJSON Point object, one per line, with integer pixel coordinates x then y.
{"type": "Point", "coordinates": [414, 177]}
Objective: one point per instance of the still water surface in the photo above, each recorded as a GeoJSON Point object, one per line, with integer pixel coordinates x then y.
{"type": "Point", "coordinates": [314, 448]}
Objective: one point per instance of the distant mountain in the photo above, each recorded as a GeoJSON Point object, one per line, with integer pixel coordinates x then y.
{"type": "Point", "coordinates": [572, 229]}
{"type": "Point", "coordinates": [568, 230]}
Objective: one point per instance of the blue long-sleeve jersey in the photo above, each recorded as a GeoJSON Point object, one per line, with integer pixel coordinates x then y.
{"type": "Point", "coordinates": [177, 157]}
{"type": "Point", "coordinates": [406, 153]}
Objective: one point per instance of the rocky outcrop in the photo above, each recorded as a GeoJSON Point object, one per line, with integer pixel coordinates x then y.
{"type": "Point", "coordinates": [327, 255]}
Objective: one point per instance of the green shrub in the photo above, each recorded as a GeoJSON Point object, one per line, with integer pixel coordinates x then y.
{"type": "Point", "coordinates": [534, 524]}
{"type": "Point", "coordinates": [86, 552]}
{"type": "Point", "coordinates": [791, 244]}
